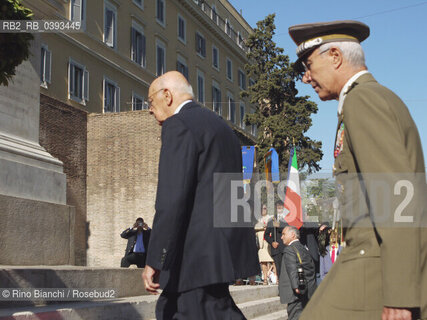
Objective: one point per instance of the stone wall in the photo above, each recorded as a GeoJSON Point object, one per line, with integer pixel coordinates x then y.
{"type": "Point", "coordinates": [123, 152]}
{"type": "Point", "coordinates": [63, 133]}
{"type": "Point", "coordinates": [35, 232]}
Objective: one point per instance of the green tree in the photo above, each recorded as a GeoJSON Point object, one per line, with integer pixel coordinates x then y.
{"type": "Point", "coordinates": [280, 115]}
{"type": "Point", "coordinates": [14, 47]}
{"type": "Point", "coordinates": [321, 188]}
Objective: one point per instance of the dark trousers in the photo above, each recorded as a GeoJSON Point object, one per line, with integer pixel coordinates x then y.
{"type": "Point", "coordinates": [295, 308]}
{"type": "Point", "coordinates": [212, 302]}
{"type": "Point", "coordinates": [278, 262]}
{"type": "Point", "coordinates": [134, 258]}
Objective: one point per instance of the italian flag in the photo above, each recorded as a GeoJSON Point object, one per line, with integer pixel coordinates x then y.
{"type": "Point", "coordinates": [293, 194]}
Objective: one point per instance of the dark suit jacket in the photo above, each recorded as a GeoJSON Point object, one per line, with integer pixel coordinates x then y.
{"type": "Point", "coordinates": [185, 245]}
{"type": "Point", "coordinates": [309, 233]}
{"type": "Point", "coordinates": [131, 235]}
{"type": "Point", "coordinates": [269, 237]}
{"type": "Point", "coordinates": [289, 275]}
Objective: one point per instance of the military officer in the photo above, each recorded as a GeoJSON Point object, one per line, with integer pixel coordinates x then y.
{"type": "Point", "coordinates": [381, 274]}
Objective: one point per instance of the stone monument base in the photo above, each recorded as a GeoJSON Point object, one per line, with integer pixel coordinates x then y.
{"type": "Point", "coordinates": [35, 232]}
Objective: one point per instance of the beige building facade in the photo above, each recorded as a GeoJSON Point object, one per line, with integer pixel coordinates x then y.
{"type": "Point", "coordinates": [123, 45]}
{"type": "Point", "coordinates": [93, 85]}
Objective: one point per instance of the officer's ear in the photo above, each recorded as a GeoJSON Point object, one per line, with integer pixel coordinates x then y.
{"type": "Point", "coordinates": [336, 56]}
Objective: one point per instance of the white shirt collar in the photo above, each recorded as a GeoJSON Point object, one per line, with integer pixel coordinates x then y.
{"type": "Point", "coordinates": [181, 105]}
{"type": "Point", "coordinates": [292, 242]}
{"type": "Point", "coordinates": [344, 89]}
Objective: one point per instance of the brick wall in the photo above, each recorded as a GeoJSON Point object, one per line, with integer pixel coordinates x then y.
{"type": "Point", "coordinates": [63, 134]}
{"type": "Point", "coordinates": [123, 154]}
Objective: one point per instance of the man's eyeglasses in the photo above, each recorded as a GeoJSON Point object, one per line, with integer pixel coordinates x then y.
{"type": "Point", "coordinates": [147, 104]}
{"type": "Point", "coordinates": [307, 66]}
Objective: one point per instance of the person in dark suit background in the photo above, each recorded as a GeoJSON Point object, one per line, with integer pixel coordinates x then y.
{"type": "Point", "coordinates": [272, 235]}
{"type": "Point", "coordinates": [328, 258]}
{"type": "Point", "coordinates": [295, 255]}
{"type": "Point", "coordinates": [192, 260]}
{"type": "Point", "coordinates": [310, 233]}
{"type": "Point", "coordinates": [138, 237]}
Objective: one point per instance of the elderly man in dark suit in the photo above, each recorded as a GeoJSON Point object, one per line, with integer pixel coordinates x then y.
{"type": "Point", "coordinates": [382, 271]}
{"type": "Point", "coordinates": [195, 259]}
{"type": "Point", "coordinates": [138, 237]}
{"type": "Point", "coordinates": [296, 287]}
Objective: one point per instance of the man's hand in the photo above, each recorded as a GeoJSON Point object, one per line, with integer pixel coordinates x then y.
{"type": "Point", "coordinates": [323, 227]}
{"type": "Point", "coordinates": [150, 276]}
{"type": "Point", "coordinates": [396, 314]}
{"type": "Point", "coordinates": [275, 244]}
{"type": "Point", "coordinates": [297, 291]}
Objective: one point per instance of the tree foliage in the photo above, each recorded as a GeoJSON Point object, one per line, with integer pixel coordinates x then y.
{"type": "Point", "coordinates": [280, 115]}
{"type": "Point", "coordinates": [14, 47]}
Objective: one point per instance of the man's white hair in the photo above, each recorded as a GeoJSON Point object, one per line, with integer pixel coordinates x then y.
{"type": "Point", "coordinates": [180, 87]}
{"type": "Point", "coordinates": [352, 51]}
{"type": "Point", "coordinates": [185, 88]}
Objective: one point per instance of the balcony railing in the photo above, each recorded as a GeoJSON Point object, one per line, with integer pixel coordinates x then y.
{"type": "Point", "coordinates": [223, 24]}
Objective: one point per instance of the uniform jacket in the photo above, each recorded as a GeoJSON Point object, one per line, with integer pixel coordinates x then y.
{"type": "Point", "coordinates": [289, 275]}
{"type": "Point", "coordinates": [185, 245]}
{"type": "Point", "coordinates": [131, 235]}
{"type": "Point", "coordinates": [326, 261]}
{"type": "Point", "coordinates": [382, 262]}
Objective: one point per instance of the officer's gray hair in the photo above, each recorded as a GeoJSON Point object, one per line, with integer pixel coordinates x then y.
{"type": "Point", "coordinates": [294, 230]}
{"type": "Point", "coordinates": [352, 51]}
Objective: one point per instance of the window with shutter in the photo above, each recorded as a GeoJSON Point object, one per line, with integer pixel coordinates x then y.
{"type": "Point", "coordinates": [160, 11]}
{"type": "Point", "coordinates": [78, 82]}
{"type": "Point", "coordinates": [229, 70]}
{"type": "Point", "coordinates": [200, 87]}
{"type": "Point", "coordinates": [216, 98]}
{"type": "Point", "coordinates": [138, 45]}
{"type": "Point", "coordinates": [161, 58]}
{"type": "Point", "coordinates": [110, 25]}
{"type": "Point", "coordinates": [111, 96]}
{"type": "Point", "coordinates": [242, 116]}
{"type": "Point", "coordinates": [200, 45]}
{"type": "Point", "coordinates": [181, 29]}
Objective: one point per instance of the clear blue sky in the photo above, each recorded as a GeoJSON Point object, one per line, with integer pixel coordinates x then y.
{"type": "Point", "coordinates": [396, 51]}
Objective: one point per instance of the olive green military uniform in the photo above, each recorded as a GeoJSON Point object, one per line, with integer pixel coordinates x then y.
{"type": "Point", "coordinates": [383, 264]}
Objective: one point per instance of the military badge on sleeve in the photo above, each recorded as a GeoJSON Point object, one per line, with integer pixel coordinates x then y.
{"type": "Point", "coordinates": [339, 144]}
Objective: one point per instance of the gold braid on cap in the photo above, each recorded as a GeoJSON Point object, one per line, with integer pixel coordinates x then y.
{"type": "Point", "coordinates": [315, 42]}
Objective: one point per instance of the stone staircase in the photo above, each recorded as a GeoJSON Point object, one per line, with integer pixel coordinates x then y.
{"type": "Point", "coordinates": [256, 302]}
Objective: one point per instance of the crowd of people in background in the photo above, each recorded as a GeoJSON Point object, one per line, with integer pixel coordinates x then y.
{"type": "Point", "coordinates": [321, 242]}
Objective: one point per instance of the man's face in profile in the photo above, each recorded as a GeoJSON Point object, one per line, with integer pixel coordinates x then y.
{"type": "Point", "coordinates": [287, 236]}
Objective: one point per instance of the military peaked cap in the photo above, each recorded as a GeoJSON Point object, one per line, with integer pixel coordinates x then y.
{"type": "Point", "coordinates": [312, 35]}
